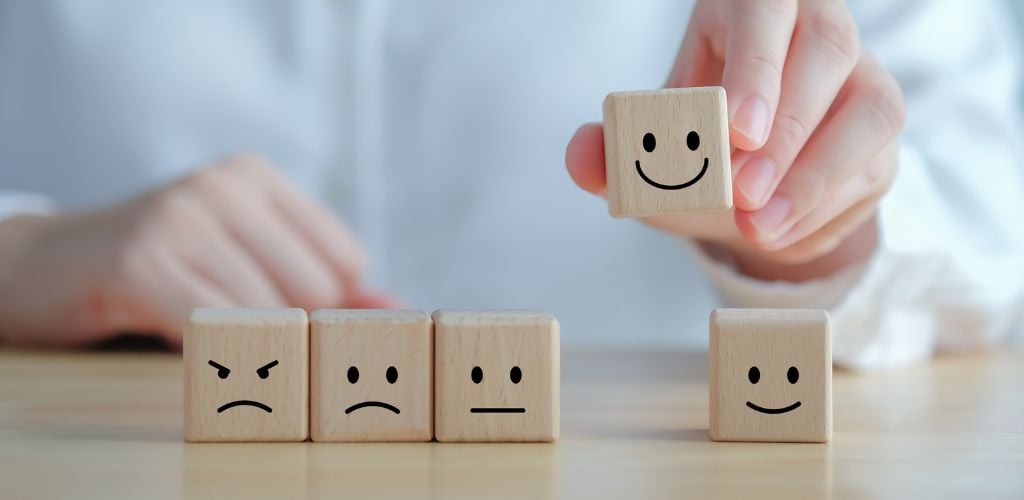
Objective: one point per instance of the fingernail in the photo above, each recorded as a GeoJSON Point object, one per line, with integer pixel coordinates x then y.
{"type": "Point", "coordinates": [755, 179]}
{"type": "Point", "coordinates": [751, 119]}
{"type": "Point", "coordinates": [768, 218]}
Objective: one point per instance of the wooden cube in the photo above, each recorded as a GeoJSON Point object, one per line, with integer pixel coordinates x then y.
{"type": "Point", "coordinates": [770, 375]}
{"type": "Point", "coordinates": [372, 375]}
{"type": "Point", "coordinates": [496, 376]}
{"type": "Point", "coordinates": [667, 151]}
{"type": "Point", "coordinates": [247, 375]}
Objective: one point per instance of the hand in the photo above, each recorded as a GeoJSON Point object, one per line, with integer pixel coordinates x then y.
{"type": "Point", "coordinates": [813, 120]}
{"type": "Point", "coordinates": [233, 234]}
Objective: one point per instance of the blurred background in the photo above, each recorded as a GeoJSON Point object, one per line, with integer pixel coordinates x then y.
{"type": "Point", "coordinates": [437, 130]}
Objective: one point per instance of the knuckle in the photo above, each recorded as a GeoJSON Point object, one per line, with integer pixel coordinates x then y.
{"type": "Point", "coordinates": [780, 7]}
{"type": "Point", "coordinates": [833, 32]}
{"type": "Point", "coordinates": [886, 110]}
{"type": "Point", "coordinates": [790, 132]}
{"type": "Point", "coordinates": [765, 66]}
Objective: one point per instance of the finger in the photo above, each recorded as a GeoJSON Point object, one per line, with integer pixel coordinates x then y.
{"type": "Point", "coordinates": [868, 187]}
{"type": "Point", "coordinates": [584, 158]}
{"type": "Point", "coordinates": [299, 272]}
{"type": "Point", "coordinates": [324, 233]}
{"type": "Point", "coordinates": [824, 51]}
{"type": "Point", "coordinates": [757, 40]}
{"type": "Point", "coordinates": [696, 64]}
{"type": "Point", "coordinates": [226, 264]}
{"type": "Point", "coordinates": [869, 113]}
{"type": "Point", "coordinates": [366, 299]}
{"type": "Point", "coordinates": [173, 291]}
{"type": "Point", "coordinates": [830, 238]}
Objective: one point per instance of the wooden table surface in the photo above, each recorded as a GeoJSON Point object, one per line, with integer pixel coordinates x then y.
{"type": "Point", "coordinates": [634, 425]}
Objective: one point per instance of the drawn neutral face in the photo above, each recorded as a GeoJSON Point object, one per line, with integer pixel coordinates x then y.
{"type": "Point", "coordinates": [515, 376]}
{"type": "Point", "coordinates": [497, 376]}
{"type": "Point", "coordinates": [262, 372]}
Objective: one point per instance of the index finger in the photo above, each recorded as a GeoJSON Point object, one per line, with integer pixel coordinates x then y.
{"type": "Point", "coordinates": [757, 35]}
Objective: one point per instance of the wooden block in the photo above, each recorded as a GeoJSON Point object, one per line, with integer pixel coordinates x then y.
{"type": "Point", "coordinates": [667, 151]}
{"type": "Point", "coordinates": [247, 375]}
{"type": "Point", "coordinates": [497, 376]}
{"type": "Point", "coordinates": [770, 375]}
{"type": "Point", "coordinates": [372, 375]}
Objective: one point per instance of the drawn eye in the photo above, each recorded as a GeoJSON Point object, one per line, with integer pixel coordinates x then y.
{"type": "Point", "coordinates": [353, 374]}
{"type": "Point", "coordinates": [793, 374]}
{"type": "Point", "coordinates": [264, 371]}
{"type": "Point", "coordinates": [392, 375]}
{"type": "Point", "coordinates": [649, 142]}
{"type": "Point", "coordinates": [477, 375]}
{"type": "Point", "coordinates": [222, 371]}
{"type": "Point", "coordinates": [692, 140]}
{"type": "Point", "coordinates": [754, 375]}
{"type": "Point", "coordinates": [516, 375]}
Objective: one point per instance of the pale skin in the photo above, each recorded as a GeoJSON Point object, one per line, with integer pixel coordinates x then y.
{"type": "Point", "coordinates": [235, 234]}
{"type": "Point", "coordinates": [813, 121]}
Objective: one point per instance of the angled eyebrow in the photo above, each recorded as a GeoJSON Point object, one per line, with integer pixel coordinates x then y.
{"type": "Point", "coordinates": [218, 365]}
{"type": "Point", "coordinates": [267, 366]}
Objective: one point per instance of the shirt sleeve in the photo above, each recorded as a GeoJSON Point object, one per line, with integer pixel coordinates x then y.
{"type": "Point", "coordinates": [17, 203]}
{"type": "Point", "coordinates": [948, 273]}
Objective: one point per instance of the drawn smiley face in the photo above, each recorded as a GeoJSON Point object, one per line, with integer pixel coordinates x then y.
{"type": "Point", "coordinates": [391, 375]}
{"type": "Point", "coordinates": [667, 151]}
{"type": "Point", "coordinates": [754, 376]}
{"type": "Point", "coordinates": [770, 375]}
{"type": "Point", "coordinates": [515, 376]}
{"type": "Point", "coordinates": [650, 144]}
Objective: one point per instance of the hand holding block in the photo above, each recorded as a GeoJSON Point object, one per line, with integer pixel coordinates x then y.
{"type": "Point", "coordinates": [372, 375]}
{"type": "Point", "coordinates": [246, 375]}
{"type": "Point", "coordinates": [497, 376]}
{"type": "Point", "coordinates": [770, 375]}
{"type": "Point", "coordinates": [667, 151]}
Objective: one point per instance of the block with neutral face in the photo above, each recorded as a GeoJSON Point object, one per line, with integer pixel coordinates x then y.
{"type": "Point", "coordinates": [372, 375]}
{"type": "Point", "coordinates": [496, 376]}
{"type": "Point", "coordinates": [246, 375]}
{"type": "Point", "coordinates": [667, 151]}
{"type": "Point", "coordinates": [770, 375]}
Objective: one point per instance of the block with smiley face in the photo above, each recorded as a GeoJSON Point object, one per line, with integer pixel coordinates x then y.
{"type": "Point", "coordinates": [770, 375]}
{"type": "Point", "coordinates": [246, 375]}
{"type": "Point", "coordinates": [667, 151]}
{"type": "Point", "coordinates": [497, 376]}
{"type": "Point", "coordinates": [372, 375]}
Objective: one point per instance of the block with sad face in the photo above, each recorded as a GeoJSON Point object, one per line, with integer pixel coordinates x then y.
{"type": "Point", "coordinates": [372, 375]}
{"type": "Point", "coordinates": [246, 375]}
{"type": "Point", "coordinates": [497, 376]}
{"type": "Point", "coordinates": [770, 375]}
{"type": "Point", "coordinates": [667, 151]}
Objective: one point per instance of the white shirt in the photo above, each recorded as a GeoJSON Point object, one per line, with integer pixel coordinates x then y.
{"type": "Point", "coordinates": [438, 130]}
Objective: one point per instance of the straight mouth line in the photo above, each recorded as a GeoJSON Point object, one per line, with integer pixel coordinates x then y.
{"type": "Point", "coordinates": [245, 402]}
{"type": "Point", "coordinates": [773, 411]}
{"type": "Point", "coordinates": [497, 410]}
{"type": "Point", "coordinates": [377, 404]}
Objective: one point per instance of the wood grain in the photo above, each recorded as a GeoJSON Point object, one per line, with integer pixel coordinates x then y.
{"type": "Point", "coordinates": [516, 357]}
{"type": "Point", "coordinates": [353, 352]}
{"type": "Point", "coordinates": [634, 425]}
{"type": "Point", "coordinates": [663, 121]}
{"type": "Point", "coordinates": [770, 360]}
{"type": "Point", "coordinates": [254, 355]}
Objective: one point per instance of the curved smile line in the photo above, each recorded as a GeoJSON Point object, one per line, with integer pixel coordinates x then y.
{"type": "Point", "coordinates": [377, 404]}
{"type": "Point", "coordinates": [773, 411]}
{"type": "Point", "coordinates": [672, 187]}
{"type": "Point", "coordinates": [244, 402]}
